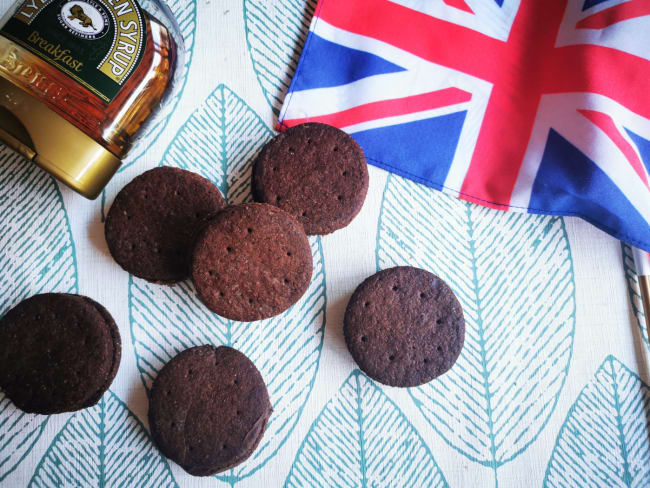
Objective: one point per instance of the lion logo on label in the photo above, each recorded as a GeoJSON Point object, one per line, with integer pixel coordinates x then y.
{"type": "Point", "coordinates": [87, 19]}
{"type": "Point", "coordinates": [78, 13]}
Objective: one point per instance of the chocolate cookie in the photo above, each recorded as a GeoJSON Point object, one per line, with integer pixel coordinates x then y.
{"type": "Point", "coordinates": [153, 221]}
{"type": "Point", "coordinates": [208, 409]}
{"type": "Point", "coordinates": [58, 353]}
{"type": "Point", "coordinates": [404, 326]}
{"type": "Point", "coordinates": [315, 172]}
{"type": "Point", "coordinates": [251, 262]}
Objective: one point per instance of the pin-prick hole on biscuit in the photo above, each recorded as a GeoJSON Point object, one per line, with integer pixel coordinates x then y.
{"type": "Point", "coordinates": [249, 230]}
{"type": "Point", "coordinates": [292, 150]}
{"type": "Point", "coordinates": [222, 294]}
{"type": "Point", "coordinates": [336, 149]}
{"type": "Point", "coordinates": [395, 287]}
{"type": "Point", "coordinates": [366, 304]}
{"type": "Point", "coordinates": [289, 253]}
{"type": "Point", "coordinates": [422, 295]}
{"type": "Point", "coordinates": [391, 357]}
{"type": "Point", "coordinates": [286, 281]}
{"type": "Point", "coordinates": [364, 339]}
{"type": "Point", "coordinates": [426, 360]}
{"type": "Point", "coordinates": [229, 249]}
{"type": "Point", "coordinates": [345, 173]}
{"type": "Point", "coordinates": [439, 321]}
{"type": "Point", "coordinates": [439, 348]}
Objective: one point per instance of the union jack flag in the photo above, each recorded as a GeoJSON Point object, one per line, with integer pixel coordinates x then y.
{"type": "Point", "coordinates": [528, 105]}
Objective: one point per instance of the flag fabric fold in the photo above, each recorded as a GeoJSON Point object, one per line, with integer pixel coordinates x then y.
{"type": "Point", "coordinates": [529, 106]}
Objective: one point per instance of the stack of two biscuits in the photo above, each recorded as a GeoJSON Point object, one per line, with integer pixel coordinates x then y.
{"type": "Point", "coordinates": [248, 262]}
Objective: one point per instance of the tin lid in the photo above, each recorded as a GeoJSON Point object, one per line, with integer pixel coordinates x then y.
{"type": "Point", "coordinates": [38, 133]}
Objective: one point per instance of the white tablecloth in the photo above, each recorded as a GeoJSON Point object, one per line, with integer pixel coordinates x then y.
{"type": "Point", "coordinates": [551, 388]}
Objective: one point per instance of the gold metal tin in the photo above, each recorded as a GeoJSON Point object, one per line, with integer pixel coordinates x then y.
{"type": "Point", "coordinates": [44, 137]}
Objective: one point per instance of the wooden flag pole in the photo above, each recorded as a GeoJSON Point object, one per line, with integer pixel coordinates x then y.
{"type": "Point", "coordinates": [644, 284]}
{"type": "Point", "coordinates": [642, 265]}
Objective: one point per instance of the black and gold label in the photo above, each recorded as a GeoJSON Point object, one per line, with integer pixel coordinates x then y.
{"type": "Point", "coordinates": [98, 43]}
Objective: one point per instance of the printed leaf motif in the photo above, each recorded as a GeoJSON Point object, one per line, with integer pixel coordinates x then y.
{"type": "Point", "coordinates": [37, 261]}
{"type": "Point", "coordinates": [362, 439]}
{"type": "Point", "coordinates": [276, 32]}
{"type": "Point", "coordinates": [634, 292]}
{"type": "Point", "coordinates": [105, 446]}
{"type": "Point", "coordinates": [185, 13]}
{"type": "Point", "coordinates": [605, 439]}
{"type": "Point", "coordinates": [514, 278]}
{"type": "Point", "coordinates": [219, 141]}
{"type": "Point", "coordinates": [19, 432]}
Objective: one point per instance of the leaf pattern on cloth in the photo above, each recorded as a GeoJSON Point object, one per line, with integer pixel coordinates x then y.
{"type": "Point", "coordinates": [40, 260]}
{"type": "Point", "coordinates": [276, 32]}
{"type": "Point", "coordinates": [361, 439]}
{"type": "Point", "coordinates": [605, 439]}
{"type": "Point", "coordinates": [219, 141]}
{"type": "Point", "coordinates": [104, 446]}
{"type": "Point", "coordinates": [513, 275]}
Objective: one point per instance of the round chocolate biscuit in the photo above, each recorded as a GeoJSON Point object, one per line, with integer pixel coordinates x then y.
{"type": "Point", "coordinates": [404, 326]}
{"type": "Point", "coordinates": [58, 353]}
{"type": "Point", "coordinates": [251, 262]}
{"type": "Point", "coordinates": [151, 226]}
{"type": "Point", "coordinates": [208, 409]}
{"type": "Point", "coordinates": [315, 172]}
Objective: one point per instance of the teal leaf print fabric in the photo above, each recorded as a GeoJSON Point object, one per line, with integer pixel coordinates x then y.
{"type": "Point", "coordinates": [513, 275]}
{"type": "Point", "coordinates": [634, 292]}
{"type": "Point", "coordinates": [219, 141]}
{"type": "Point", "coordinates": [38, 261]}
{"type": "Point", "coordinates": [276, 32]}
{"type": "Point", "coordinates": [362, 439]}
{"type": "Point", "coordinates": [185, 13]}
{"type": "Point", "coordinates": [19, 432]}
{"type": "Point", "coordinates": [103, 446]}
{"type": "Point", "coordinates": [605, 439]}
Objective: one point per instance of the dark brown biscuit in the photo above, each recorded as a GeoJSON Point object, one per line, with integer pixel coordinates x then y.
{"type": "Point", "coordinates": [251, 262]}
{"type": "Point", "coordinates": [153, 221]}
{"type": "Point", "coordinates": [315, 172]}
{"type": "Point", "coordinates": [404, 326]}
{"type": "Point", "coordinates": [58, 353]}
{"type": "Point", "coordinates": [208, 409]}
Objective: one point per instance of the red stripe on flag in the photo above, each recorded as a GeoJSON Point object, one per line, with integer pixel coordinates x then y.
{"type": "Point", "coordinates": [514, 102]}
{"type": "Point", "coordinates": [614, 74]}
{"type": "Point", "coordinates": [389, 108]}
{"type": "Point", "coordinates": [607, 125]}
{"type": "Point", "coordinates": [459, 4]}
{"type": "Point", "coordinates": [613, 15]}
{"type": "Point", "coordinates": [430, 38]}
